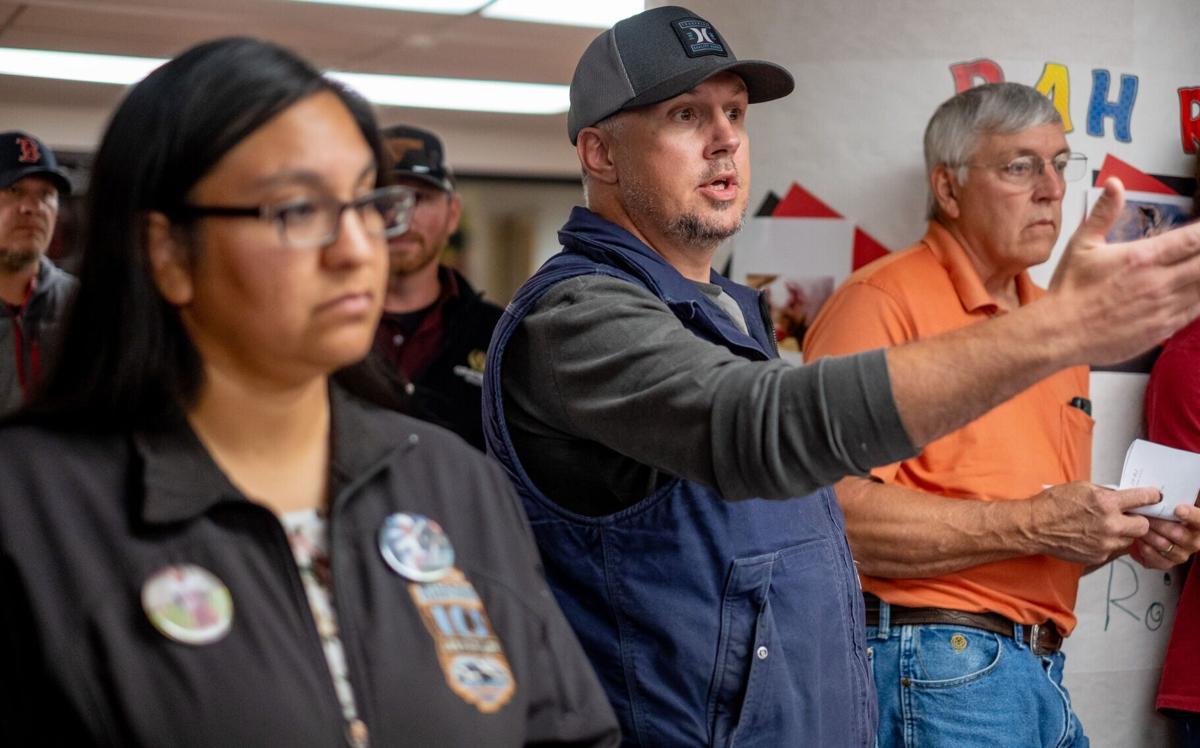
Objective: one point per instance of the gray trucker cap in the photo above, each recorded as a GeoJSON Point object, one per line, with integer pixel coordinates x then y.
{"type": "Point", "coordinates": [655, 55]}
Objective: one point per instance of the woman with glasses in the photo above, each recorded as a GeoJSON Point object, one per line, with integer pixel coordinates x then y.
{"type": "Point", "coordinates": [209, 535]}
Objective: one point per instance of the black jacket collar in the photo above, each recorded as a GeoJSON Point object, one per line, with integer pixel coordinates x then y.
{"type": "Point", "coordinates": [181, 481]}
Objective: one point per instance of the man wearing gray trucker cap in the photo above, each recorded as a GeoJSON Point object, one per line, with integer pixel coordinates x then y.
{"type": "Point", "coordinates": [662, 449]}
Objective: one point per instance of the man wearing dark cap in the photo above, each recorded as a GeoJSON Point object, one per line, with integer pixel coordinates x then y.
{"type": "Point", "coordinates": [33, 290]}
{"type": "Point", "coordinates": [663, 450]}
{"type": "Point", "coordinates": [435, 327]}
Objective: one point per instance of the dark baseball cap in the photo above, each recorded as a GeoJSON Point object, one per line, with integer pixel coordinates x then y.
{"type": "Point", "coordinates": [654, 56]}
{"type": "Point", "coordinates": [418, 154]}
{"type": "Point", "coordinates": [22, 155]}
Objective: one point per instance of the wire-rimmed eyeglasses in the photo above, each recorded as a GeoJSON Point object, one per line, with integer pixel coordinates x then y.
{"type": "Point", "coordinates": [1024, 170]}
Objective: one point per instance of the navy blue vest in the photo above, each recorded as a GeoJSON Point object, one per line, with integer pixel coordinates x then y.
{"type": "Point", "coordinates": [709, 621]}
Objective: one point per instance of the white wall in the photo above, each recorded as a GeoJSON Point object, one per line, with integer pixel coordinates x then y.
{"type": "Point", "coordinates": [511, 229]}
{"type": "Point", "coordinates": [65, 127]}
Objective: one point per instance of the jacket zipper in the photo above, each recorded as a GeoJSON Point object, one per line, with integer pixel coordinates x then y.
{"type": "Point", "coordinates": [299, 593]}
{"type": "Point", "coordinates": [764, 311]}
{"type": "Point", "coordinates": [357, 733]}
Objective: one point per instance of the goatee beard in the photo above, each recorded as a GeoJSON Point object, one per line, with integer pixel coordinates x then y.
{"type": "Point", "coordinates": [692, 229]}
{"type": "Point", "coordinates": [15, 260]}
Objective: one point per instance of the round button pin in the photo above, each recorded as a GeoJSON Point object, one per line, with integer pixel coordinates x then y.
{"type": "Point", "coordinates": [416, 547]}
{"type": "Point", "coordinates": [188, 604]}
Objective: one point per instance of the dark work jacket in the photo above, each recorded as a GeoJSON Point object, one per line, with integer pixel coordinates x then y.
{"type": "Point", "coordinates": [447, 389]}
{"type": "Point", "coordinates": [709, 621]}
{"type": "Point", "coordinates": [86, 520]}
{"type": "Point", "coordinates": [32, 336]}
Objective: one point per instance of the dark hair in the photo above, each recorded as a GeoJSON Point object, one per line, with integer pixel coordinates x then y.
{"type": "Point", "coordinates": [125, 359]}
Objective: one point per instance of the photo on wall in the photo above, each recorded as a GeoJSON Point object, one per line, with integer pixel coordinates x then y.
{"type": "Point", "coordinates": [1146, 214]}
{"type": "Point", "coordinates": [794, 302]}
{"type": "Point", "coordinates": [796, 249]}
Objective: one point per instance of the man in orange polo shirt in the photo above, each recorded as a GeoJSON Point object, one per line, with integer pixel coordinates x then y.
{"type": "Point", "coordinates": [971, 552]}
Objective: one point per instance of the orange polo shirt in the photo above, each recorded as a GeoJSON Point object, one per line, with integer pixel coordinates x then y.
{"type": "Point", "coordinates": [1034, 439]}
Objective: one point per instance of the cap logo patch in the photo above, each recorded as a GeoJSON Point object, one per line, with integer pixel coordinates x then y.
{"type": "Point", "coordinates": [698, 37]}
{"type": "Point", "coordinates": [401, 147]}
{"type": "Point", "coordinates": [30, 153]}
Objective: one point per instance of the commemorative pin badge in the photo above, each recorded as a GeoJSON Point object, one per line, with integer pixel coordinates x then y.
{"type": "Point", "coordinates": [188, 604]}
{"type": "Point", "coordinates": [469, 652]}
{"type": "Point", "coordinates": [415, 547]}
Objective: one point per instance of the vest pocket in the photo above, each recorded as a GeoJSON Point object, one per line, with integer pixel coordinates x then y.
{"type": "Point", "coordinates": [783, 671]}
{"type": "Point", "coordinates": [745, 634]}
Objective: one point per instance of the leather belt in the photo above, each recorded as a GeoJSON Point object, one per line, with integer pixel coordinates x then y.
{"type": "Point", "coordinates": [1041, 638]}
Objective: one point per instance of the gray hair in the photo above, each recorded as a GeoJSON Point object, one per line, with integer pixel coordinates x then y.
{"type": "Point", "coordinates": [993, 108]}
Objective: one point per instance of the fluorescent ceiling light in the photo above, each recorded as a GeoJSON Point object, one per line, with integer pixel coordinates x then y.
{"type": "Point", "coordinates": [458, 93]}
{"type": "Point", "coordinates": [75, 66]}
{"type": "Point", "coordinates": [389, 90]}
{"type": "Point", "coordinates": [567, 12]}
{"type": "Point", "coordinates": [453, 7]}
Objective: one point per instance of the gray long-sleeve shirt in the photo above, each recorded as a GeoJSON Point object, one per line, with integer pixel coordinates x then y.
{"type": "Point", "coordinates": [608, 395]}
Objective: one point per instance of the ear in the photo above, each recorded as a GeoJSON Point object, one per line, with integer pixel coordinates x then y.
{"type": "Point", "coordinates": [595, 150]}
{"type": "Point", "coordinates": [943, 182]}
{"type": "Point", "coordinates": [454, 214]}
{"type": "Point", "coordinates": [168, 260]}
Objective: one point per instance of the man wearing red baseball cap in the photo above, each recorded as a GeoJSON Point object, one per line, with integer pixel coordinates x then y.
{"type": "Point", "coordinates": [33, 290]}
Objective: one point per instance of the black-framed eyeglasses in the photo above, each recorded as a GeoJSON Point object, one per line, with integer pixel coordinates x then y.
{"type": "Point", "coordinates": [1023, 170]}
{"type": "Point", "coordinates": [315, 222]}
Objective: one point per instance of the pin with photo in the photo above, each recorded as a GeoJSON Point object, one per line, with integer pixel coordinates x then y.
{"type": "Point", "coordinates": [188, 604]}
{"type": "Point", "coordinates": [415, 547]}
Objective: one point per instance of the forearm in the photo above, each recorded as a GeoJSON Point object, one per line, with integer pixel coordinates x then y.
{"type": "Point", "coordinates": [944, 382]}
{"type": "Point", "coordinates": [626, 374]}
{"type": "Point", "coordinates": [896, 532]}
{"type": "Point", "coordinates": [806, 427]}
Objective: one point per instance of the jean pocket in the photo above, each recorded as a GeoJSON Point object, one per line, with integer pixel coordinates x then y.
{"type": "Point", "coordinates": [949, 656]}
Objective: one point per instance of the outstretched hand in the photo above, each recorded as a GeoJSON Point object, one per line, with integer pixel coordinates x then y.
{"type": "Point", "coordinates": [1126, 298]}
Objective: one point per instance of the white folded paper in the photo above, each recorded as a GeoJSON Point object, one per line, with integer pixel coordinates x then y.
{"type": "Point", "coordinates": [1175, 472]}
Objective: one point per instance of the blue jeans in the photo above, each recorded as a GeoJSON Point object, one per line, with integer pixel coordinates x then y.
{"type": "Point", "coordinates": [947, 686]}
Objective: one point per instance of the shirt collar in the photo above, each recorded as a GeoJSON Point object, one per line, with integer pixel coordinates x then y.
{"type": "Point", "coordinates": [181, 481]}
{"type": "Point", "coordinates": [16, 310]}
{"type": "Point", "coordinates": [448, 280]}
{"type": "Point", "coordinates": [963, 276]}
